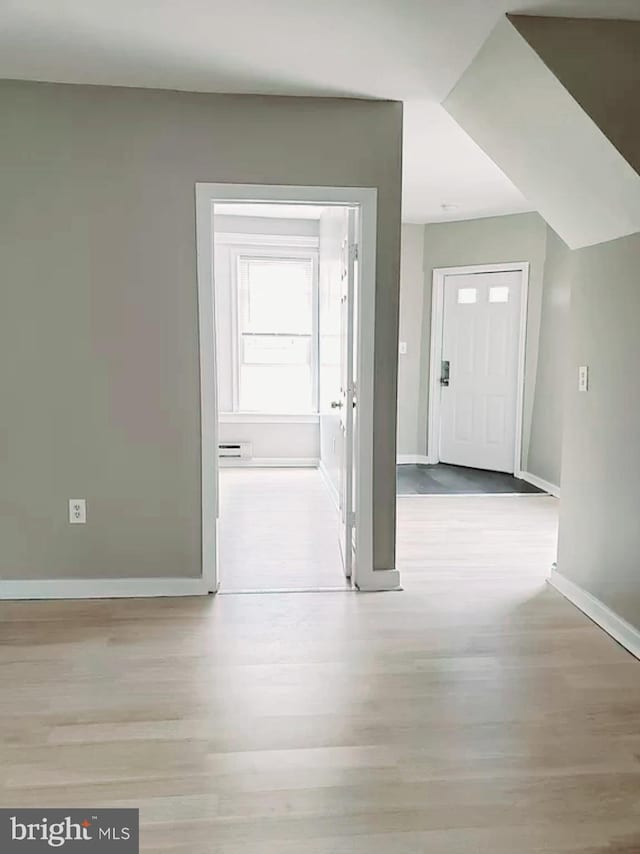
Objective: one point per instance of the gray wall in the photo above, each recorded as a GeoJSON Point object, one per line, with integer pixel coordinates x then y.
{"type": "Point", "coordinates": [598, 61]}
{"type": "Point", "coordinates": [412, 435]}
{"type": "Point", "coordinates": [521, 237]}
{"type": "Point", "coordinates": [545, 445]}
{"type": "Point", "coordinates": [599, 531]}
{"type": "Point", "coordinates": [98, 328]}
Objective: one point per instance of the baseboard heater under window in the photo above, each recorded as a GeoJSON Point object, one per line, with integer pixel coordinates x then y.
{"type": "Point", "coordinates": [234, 450]}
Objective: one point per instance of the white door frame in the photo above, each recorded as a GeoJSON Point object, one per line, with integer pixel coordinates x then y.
{"type": "Point", "coordinates": [365, 198]}
{"type": "Point", "coordinates": [435, 358]}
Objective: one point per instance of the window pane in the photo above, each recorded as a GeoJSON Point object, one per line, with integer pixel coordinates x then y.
{"type": "Point", "coordinates": [275, 320]}
{"type": "Point", "coordinates": [276, 349]}
{"type": "Point", "coordinates": [276, 294]}
{"type": "Point", "coordinates": [467, 295]}
{"type": "Point", "coordinates": [499, 294]}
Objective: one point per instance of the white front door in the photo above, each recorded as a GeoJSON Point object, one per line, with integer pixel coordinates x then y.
{"type": "Point", "coordinates": [479, 370]}
{"type": "Point", "coordinates": [337, 385]}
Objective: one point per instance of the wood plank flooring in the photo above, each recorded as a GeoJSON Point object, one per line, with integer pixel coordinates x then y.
{"type": "Point", "coordinates": [278, 530]}
{"type": "Point", "coordinates": [477, 712]}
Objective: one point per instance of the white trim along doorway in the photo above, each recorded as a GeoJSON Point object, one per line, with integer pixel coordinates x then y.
{"type": "Point", "coordinates": [436, 351]}
{"type": "Point", "coordinates": [365, 200]}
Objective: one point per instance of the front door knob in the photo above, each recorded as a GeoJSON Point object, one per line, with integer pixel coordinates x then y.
{"type": "Point", "coordinates": [336, 404]}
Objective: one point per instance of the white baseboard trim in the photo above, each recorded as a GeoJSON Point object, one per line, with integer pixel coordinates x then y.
{"type": "Point", "coordinates": [380, 580]}
{"type": "Point", "coordinates": [101, 588]}
{"type": "Point", "coordinates": [619, 629]}
{"type": "Point", "coordinates": [413, 459]}
{"type": "Point", "coordinates": [546, 485]}
{"type": "Point", "coordinates": [270, 462]}
{"type": "Point", "coordinates": [333, 492]}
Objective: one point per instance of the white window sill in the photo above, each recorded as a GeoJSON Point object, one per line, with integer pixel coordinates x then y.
{"type": "Point", "coordinates": [268, 418]}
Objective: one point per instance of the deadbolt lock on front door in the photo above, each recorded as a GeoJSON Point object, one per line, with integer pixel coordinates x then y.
{"type": "Point", "coordinates": [444, 374]}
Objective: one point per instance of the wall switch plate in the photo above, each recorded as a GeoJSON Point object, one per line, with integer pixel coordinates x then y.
{"type": "Point", "coordinates": [77, 511]}
{"type": "Point", "coordinates": [583, 378]}
{"type": "Point", "coordinates": [403, 348]}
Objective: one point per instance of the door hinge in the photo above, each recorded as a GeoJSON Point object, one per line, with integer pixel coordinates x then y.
{"type": "Point", "coordinates": [354, 251]}
{"type": "Point", "coordinates": [351, 519]}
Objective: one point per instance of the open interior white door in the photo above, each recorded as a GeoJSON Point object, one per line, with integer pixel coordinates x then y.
{"type": "Point", "coordinates": [337, 384]}
{"type": "Point", "coordinates": [347, 398]}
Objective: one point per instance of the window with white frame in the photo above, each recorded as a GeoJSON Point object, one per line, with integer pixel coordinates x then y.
{"type": "Point", "coordinates": [275, 331]}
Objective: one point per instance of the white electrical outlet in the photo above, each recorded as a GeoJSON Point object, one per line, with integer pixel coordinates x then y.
{"type": "Point", "coordinates": [77, 511]}
{"type": "Point", "coordinates": [583, 378]}
{"type": "Point", "coordinates": [403, 348]}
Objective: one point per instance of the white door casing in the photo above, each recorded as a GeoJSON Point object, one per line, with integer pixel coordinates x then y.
{"type": "Point", "coordinates": [364, 199]}
{"type": "Point", "coordinates": [478, 331]}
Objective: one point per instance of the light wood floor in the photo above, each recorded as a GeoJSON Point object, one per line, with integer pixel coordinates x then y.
{"type": "Point", "coordinates": [477, 712]}
{"type": "Point", "coordinates": [278, 530]}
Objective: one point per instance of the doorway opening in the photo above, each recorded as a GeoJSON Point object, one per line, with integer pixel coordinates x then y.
{"type": "Point", "coordinates": [280, 288]}
{"type": "Point", "coordinates": [286, 385]}
{"type": "Point", "coordinates": [475, 385]}
{"type": "Point", "coordinates": [471, 524]}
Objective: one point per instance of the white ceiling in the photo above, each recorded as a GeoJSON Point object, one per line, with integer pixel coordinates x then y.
{"type": "Point", "coordinates": [409, 50]}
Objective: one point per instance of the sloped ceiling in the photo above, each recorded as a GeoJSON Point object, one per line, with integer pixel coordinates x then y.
{"type": "Point", "coordinates": [599, 63]}
{"type": "Point", "coordinates": [554, 103]}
